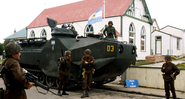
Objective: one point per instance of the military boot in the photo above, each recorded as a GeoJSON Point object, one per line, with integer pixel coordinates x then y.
{"type": "Point", "coordinates": [85, 94]}
{"type": "Point", "coordinates": [64, 93]}
{"type": "Point", "coordinates": [59, 93]}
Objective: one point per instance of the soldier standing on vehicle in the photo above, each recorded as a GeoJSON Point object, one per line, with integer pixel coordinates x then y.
{"type": "Point", "coordinates": [87, 65]}
{"type": "Point", "coordinates": [65, 63]}
{"type": "Point", "coordinates": [171, 71]}
{"type": "Point", "coordinates": [111, 31]}
{"type": "Point", "coordinates": [15, 82]}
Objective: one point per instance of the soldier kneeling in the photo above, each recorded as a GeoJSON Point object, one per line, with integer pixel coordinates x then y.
{"type": "Point", "coordinates": [87, 65]}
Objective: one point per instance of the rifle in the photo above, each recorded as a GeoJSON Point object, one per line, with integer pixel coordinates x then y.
{"type": "Point", "coordinates": [33, 78]}
{"type": "Point", "coordinates": [30, 77]}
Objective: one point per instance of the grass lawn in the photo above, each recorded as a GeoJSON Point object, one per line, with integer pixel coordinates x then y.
{"type": "Point", "coordinates": [139, 63]}
{"type": "Point", "coordinates": [1, 61]}
{"type": "Point", "coordinates": [181, 65]}
{"type": "Point", "coordinates": [142, 62]}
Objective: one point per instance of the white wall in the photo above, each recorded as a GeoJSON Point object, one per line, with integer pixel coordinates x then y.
{"type": "Point", "coordinates": [139, 9]}
{"type": "Point", "coordinates": [80, 27]}
{"type": "Point", "coordinates": [175, 50]}
{"type": "Point", "coordinates": [155, 25]}
{"type": "Point", "coordinates": [138, 25]}
{"type": "Point", "coordinates": [165, 42]}
{"type": "Point", "coordinates": [168, 43]}
{"type": "Point", "coordinates": [173, 31]}
{"type": "Point", "coordinates": [152, 77]}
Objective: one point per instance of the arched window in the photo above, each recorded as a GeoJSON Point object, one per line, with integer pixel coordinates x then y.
{"type": "Point", "coordinates": [143, 38]}
{"type": "Point", "coordinates": [43, 33]}
{"type": "Point", "coordinates": [131, 34]}
{"type": "Point", "coordinates": [32, 34]}
{"type": "Point", "coordinates": [89, 29]}
{"type": "Point", "coordinates": [71, 27]}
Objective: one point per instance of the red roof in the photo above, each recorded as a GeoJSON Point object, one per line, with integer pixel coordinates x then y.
{"type": "Point", "coordinates": [80, 11]}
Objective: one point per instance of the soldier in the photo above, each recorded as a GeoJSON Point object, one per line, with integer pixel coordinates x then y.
{"type": "Point", "coordinates": [65, 63]}
{"type": "Point", "coordinates": [134, 63]}
{"type": "Point", "coordinates": [171, 71]}
{"type": "Point", "coordinates": [15, 82]}
{"type": "Point", "coordinates": [111, 32]}
{"type": "Point", "coordinates": [87, 65]}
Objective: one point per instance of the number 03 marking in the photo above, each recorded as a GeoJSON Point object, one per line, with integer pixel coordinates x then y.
{"type": "Point", "coordinates": [110, 48]}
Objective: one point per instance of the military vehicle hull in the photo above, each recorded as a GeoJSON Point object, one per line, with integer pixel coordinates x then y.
{"type": "Point", "coordinates": [40, 56]}
{"type": "Point", "coordinates": [112, 58]}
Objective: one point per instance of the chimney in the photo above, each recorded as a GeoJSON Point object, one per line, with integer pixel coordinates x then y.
{"type": "Point", "coordinates": [14, 30]}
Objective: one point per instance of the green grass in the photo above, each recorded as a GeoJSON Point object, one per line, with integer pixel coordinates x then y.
{"type": "Point", "coordinates": [142, 62]}
{"type": "Point", "coordinates": [181, 65]}
{"type": "Point", "coordinates": [139, 63]}
{"type": "Point", "coordinates": [1, 61]}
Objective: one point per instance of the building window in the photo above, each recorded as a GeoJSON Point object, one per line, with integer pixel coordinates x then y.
{"type": "Point", "coordinates": [43, 33]}
{"type": "Point", "coordinates": [178, 43]}
{"type": "Point", "coordinates": [154, 28]}
{"type": "Point", "coordinates": [131, 34]}
{"type": "Point", "coordinates": [71, 27]}
{"type": "Point", "coordinates": [143, 39]}
{"type": "Point", "coordinates": [32, 34]}
{"type": "Point", "coordinates": [131, 10]}
{"type": "Point", "coordinates": [89, 29]}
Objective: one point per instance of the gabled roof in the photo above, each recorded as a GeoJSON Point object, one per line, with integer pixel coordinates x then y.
{"type": "Point", "coordinates": [171, 27]}
{"type": "Point", "coordinates": [156, 23]}
{"type": "Point", "coordinates": [167, 34]}
{"type": "Point", "coordinates": [19, 34]}
{"type": "Point", "coordinates": [80, 11]}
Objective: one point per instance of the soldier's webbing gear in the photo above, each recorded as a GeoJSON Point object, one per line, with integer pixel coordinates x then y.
{"type": "Point", "coordinates": [61, 60]}
{"type": "Point", "coordinates": [93, 70]}
{"type": "Point", "coordinates": [83, 73]}
{"type": "Point", "coordinates": [84, 70]}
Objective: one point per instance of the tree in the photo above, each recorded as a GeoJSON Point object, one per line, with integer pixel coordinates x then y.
{"type": "Point", "coordinates": [1, 49]}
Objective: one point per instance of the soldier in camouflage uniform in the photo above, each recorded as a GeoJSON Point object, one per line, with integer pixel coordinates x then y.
{"type": "Point", "coordinates": [171, 71]}
{"type": "Point", "coordinates": [87, 65]}
{"type": "Point", "coordinates": [65, 63]}
{"type": "Point", "coordinates": [15, 82]}
{"type": "Point", "coordinates": [111, 31]}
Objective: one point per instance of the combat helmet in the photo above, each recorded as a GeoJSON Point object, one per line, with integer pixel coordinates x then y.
{"type": "Point", "coordinates": [168, 57]}
{"type": "Point", "coordinates": [67, 53]}
{"type": "Point", "coordinates": [110, 22]}
{"type": "Point", "coordinates": [87, 51]}
{"type": "Point", "coordinates": [12, 48]}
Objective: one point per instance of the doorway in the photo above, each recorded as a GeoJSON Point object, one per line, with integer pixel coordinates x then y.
{"type": "Point", "coordinates": [158, 45]}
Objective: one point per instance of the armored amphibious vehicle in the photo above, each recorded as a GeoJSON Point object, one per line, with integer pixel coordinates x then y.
{"type": "Point", "coordinates": [40, 56]}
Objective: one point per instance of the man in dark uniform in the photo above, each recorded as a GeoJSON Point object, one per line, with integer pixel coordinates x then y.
{"type": "Point", "coordinates": [134, 63]}
{"type": "Point", "coordinates": [65, 63]}
{"type": "Point", "coordinates": [87, 65]}
{"type": "Point", "coordinates": [15, 82]}
{"type": "Point", "coordinates": [111, 31]}
{"type": "Point", "coordinates": [171, 71]}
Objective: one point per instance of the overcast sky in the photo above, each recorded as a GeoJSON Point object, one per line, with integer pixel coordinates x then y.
{"type": "Point", "coordinates": [17, 14]}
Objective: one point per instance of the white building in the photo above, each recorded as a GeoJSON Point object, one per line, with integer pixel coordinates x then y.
{"type": "Point", "coordinates": [168, 40]}
{"type": "Point", "coordinates": [131, 19]}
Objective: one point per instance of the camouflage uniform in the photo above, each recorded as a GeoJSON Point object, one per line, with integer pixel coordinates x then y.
{"type": "Point", "coordinates": [15, 82]}
{"type": "Point", "coordinates": [111, 32]}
